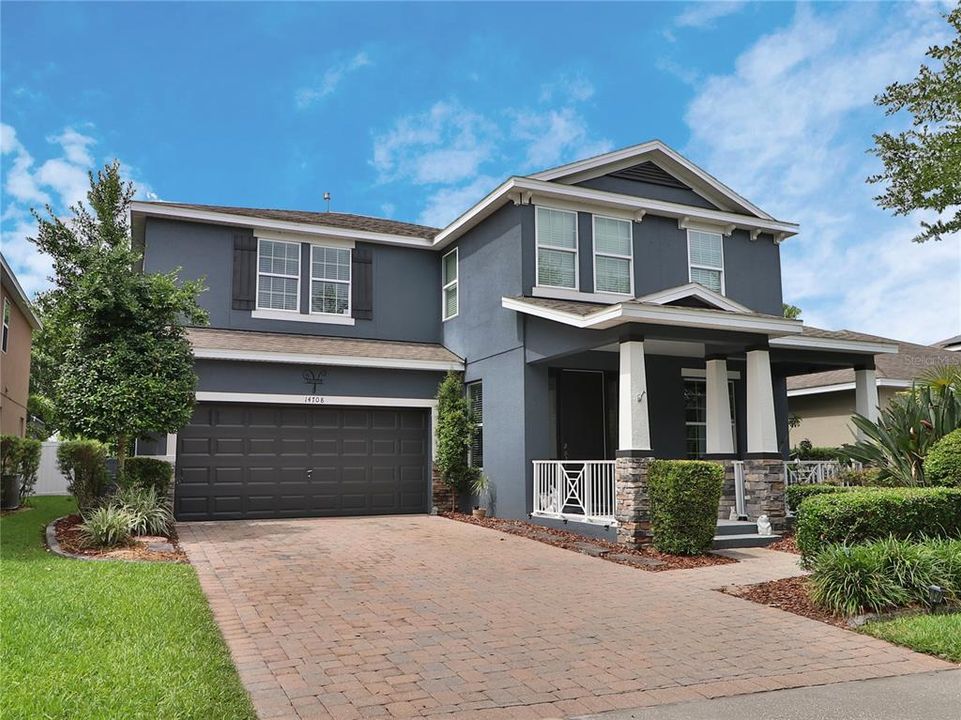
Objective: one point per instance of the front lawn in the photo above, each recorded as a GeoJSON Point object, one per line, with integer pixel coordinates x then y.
{"type": "Point", "coordinates": [934, 634]}
{"type": "Point", "coordinates": [105, 639]}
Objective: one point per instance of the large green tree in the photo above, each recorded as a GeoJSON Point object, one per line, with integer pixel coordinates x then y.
{"type": "Point", "coordinates": [117, 360]}
{"type": "Point", "coordinates": [922, 165]}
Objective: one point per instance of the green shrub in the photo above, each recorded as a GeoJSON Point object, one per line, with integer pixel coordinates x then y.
{"type": "Point", "coordinates": [942, 466]}
{"type": "Point", "coordinates": [795, 494]}
{"type": "Point", "coordinates": [9, 454]}
{"type": "Point", "coordinates": [84, 463]}
{"type": "Point", "coordinates": [866, 477]}
{"type": "Point", "coordinates": [805, 450]}
{"type": "Point", "coordinates": [29, 465]}
{"type": "Point", "coordinates": [885, 573]}
{"type": "Point", "coordinates": [149, 514]}
{"type": "Point", "coordinates": [148, 472]}
{"type": "Point", "coordinates": [869, 514]}
{"type": "Point", "coordinates": [684, 498]}
{"type": "Point", "coordinates": [847, 579]}
{"type": "Point", "coordinates": [106, 526]}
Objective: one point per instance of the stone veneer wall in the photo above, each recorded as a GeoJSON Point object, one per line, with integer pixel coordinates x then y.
{"type": "Point", "coordinates": [764, 490]}
{"type": "Point", "coordinates": [727, 492]}
{"type": "Point", "coordinates": [440, 491]}
{"type": "Point", "coordinates": [633, 510]}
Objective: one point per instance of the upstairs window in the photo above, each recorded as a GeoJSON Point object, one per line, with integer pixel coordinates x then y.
{"type": "Point", "coordinates": [705, 253]}
{"type": "Point", "coordinates": [475, 398]}
{"type": "Point", "coordinates": [613, 255]}
{"type": "Point", "coordinates": [449, 284]}
{"type": "Point", "coordinates": [329, 280]}
{"type": "Point", "coordinates": [6, 323]}
{"type": "Point", "coordinates": [556, 232]}
{"type": "Point", "coordinates": [278, 275]}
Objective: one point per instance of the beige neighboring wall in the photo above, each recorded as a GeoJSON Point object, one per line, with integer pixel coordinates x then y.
{"type": "Point", "coordinates": [15, 371]}
{"type": "Point", "coordinates": [826, 417]}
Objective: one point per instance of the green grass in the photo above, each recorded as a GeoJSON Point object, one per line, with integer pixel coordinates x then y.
{"type": "Point", "coordinates": [105, 639]}
{"type": "Point", "coordinates": [933, 634]}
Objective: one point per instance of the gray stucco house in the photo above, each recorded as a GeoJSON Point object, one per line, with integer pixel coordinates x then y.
{"type": "Point", "coordinates": [618, 308]}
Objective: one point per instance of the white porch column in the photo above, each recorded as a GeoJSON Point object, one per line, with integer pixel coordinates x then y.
{"type": "Point", "coordinates": [866, 395]}
{"type": "Point", "coordinates": [634, 428]}
{"type": "Point", "coordinates": [761, 423]}
{"type": "Point", "coordinates": [720, 438]}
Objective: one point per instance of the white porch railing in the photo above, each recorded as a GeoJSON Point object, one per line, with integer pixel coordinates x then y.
{"type": "Point", "coordinates": [575, 490]}
{"type": "Point", "coordinates": [809, 472]}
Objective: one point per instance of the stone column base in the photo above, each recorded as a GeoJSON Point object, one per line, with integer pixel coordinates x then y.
{"type": "Point", "coordinates": [764, 491]}
{"type": "Point", "coordinates": [728, 501]}
{"type": "Point", "coordinates": [633, 506]}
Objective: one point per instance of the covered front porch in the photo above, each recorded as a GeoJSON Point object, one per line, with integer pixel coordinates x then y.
{"type": "Point", "coordinates": [646, 378]}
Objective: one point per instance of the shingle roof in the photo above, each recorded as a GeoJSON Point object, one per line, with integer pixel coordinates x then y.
{"type": "Point", "coordinates": [344, 221]}
{"type": "Point", "coordinates": [909, 363]}
{"type": "Point", "coordinates": [956, 340]}
{"type": "Point", "coordinates": [582, 309]}
{"type": "Point", "coordinates": [249, 341]}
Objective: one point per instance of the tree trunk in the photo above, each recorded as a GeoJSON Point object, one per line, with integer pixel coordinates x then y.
{"type": "Point", "coordinates": [121, 457]}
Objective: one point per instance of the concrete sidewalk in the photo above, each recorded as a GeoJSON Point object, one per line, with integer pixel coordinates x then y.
{"type": "Point", "coordinates": [926, 696]}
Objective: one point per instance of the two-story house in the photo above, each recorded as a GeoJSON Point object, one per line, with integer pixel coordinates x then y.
{"type": "Point", "coordinates": [615, 309]}
{"type": "Point", "coordinates": [19, 322]}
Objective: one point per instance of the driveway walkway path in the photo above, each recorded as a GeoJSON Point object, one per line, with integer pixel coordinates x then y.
{"type": "Point", "coordinates": [422, 616]}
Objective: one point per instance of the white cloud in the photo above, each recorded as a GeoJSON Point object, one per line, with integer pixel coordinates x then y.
{"type": "Point", "coordinates": [460, 154]}
{"type": "Point", "coordinates": [445, 144]}
{"type": "Point", "coordinates": [789, 129]}
{"type": "Point", "coordinates": [307, 96]}
{"type": "Point", "coordinates": [703, 14]}
{"type": "Point", "coordinates": [60, 181]}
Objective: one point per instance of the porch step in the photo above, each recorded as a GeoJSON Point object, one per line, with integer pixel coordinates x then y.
{"type": "Point", "coordinates": [742, 540]}
{"type": "Point", "coordinates": [736, 527]}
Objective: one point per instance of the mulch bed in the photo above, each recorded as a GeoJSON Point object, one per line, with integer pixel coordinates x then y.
{"type": "Point", "coordinates": [645, 558]}
{"type": "Point", "coordinates": [22, 508]}
{"type": "Point", "coordinates": [788, 594]}
{"type": "Point", "coordinates": [785, 544]}
{"type": "Point", "coordinates": [70, 538]}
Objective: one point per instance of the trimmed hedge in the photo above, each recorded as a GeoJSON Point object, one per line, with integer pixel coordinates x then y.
{"type": "Point", "coordinates": [942, 466]}
{"type": "Point", "coordinates": [795, 494]}
{"type": "Point", "coordinates": [862, 514]}
{"type": "Point", "coordinates": [805, 450]}
{"type": "Point", "coordinates": [148, 472]}
{"type": "Point", "coordinates": [684, 497]}
{"type": "Point", "coordinates": [888, 573]}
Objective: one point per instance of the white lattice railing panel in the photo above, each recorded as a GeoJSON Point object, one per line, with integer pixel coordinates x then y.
{"type": "Point", "coordinates": [581, 490]}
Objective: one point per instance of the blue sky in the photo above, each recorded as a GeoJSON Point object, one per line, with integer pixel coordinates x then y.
{"type": "Point", "coordinates": [416, 111]}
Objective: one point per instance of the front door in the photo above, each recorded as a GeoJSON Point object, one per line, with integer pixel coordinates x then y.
{"type": "Point", "coordinates": [580, 415]}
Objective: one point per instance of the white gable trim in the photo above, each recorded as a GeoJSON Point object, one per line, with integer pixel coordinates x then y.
{"type": "Point", "coordinates": [664, 157]}
{"type": "Point", "coordinates": [818, 343]}
{"type": "Point", "coordinates": [665, 297]}
{"type": "Point", "coordinates": [623, 313]}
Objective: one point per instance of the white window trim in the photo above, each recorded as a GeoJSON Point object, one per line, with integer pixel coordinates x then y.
{"type": "Point", "coordinates": [455, 283]}
{"type": "Point", "coordinates": [691, 266]}
{"type": "Point", "coordinates": [537, 246]}
{"type": "Point", "coordinates": [348, 282]}
{"type": "Point", "coordinates": [629, 258]}
{"type": "Point", "coordinates": [6, 324]}
{"type": "Point", "coordinates": [257, 305]}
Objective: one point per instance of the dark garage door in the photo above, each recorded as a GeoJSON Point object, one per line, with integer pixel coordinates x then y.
{"type": "Point", "coordinates": [262, 461]}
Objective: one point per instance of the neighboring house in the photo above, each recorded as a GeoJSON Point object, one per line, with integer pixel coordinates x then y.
{"type": "Point", "coordinates": [824, 402]}
{"type": "Point", "coordinates": [952, 343]}
{"type": "Point", "coordinates": [603, 312]}
{"type": "Point", "coordinates": [19, 322]}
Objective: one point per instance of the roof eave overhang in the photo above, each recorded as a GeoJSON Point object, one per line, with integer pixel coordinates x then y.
{"type": "Point", "coordinates": [526, 190]}
{"type": "Point", "coordinates": [140, 210]}
{"type": "Point", "coordinates": [19, 296]}
{"type": "Point", "coordinates": [621, 314]}
{"type": "Point", "coordinates": [836, 345]}
{"type": "Point", "coordinates": [839, 387]}
{"type": "Point", "coordinates": [327, 359]}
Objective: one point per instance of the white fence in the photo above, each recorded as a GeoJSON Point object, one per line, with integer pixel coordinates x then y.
{"type": "Point", "coordinates": [50, 481]}
{"type": "Point", "coordinates": [581, 491]}
{"type": "Point", "coordinates": [809, 472]}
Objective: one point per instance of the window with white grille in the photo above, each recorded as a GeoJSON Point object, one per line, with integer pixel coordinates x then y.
{"type": "Point", "coordinates": [278, 275]}
{"type": "Point", "coordinates": [329, 280]}
{"type": "Point", "coordinates": [705, 253]}
{"type": "Point", "coordinates": [613, 255]}
{"type": "Point", "coordinates": [556, 248]}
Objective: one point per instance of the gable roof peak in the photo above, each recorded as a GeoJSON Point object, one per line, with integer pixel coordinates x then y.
{"type": "Point", "coordinates": [664, 157]}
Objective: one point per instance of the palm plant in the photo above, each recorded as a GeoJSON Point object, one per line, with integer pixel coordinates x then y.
{"type": "Point", "coordinates": [905, 430]}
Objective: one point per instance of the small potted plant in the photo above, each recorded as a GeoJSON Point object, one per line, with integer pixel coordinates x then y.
{"type": "Point", "coordinates": [478, 487]}
{"type": "Point", "coordinates": [9, 472]}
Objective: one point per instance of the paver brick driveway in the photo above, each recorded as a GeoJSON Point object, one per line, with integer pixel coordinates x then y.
{"type": "Point", "coordinates": [422, 616]}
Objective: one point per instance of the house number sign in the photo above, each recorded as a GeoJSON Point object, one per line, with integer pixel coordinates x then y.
{"type": "Point", "coordinates": [314, 377]}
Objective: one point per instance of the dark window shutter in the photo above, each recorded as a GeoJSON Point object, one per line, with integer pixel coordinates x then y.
{"type": "Point", "coordinates": [245, 272]}
{"type": "Point", "coordinates": [362, 284]}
